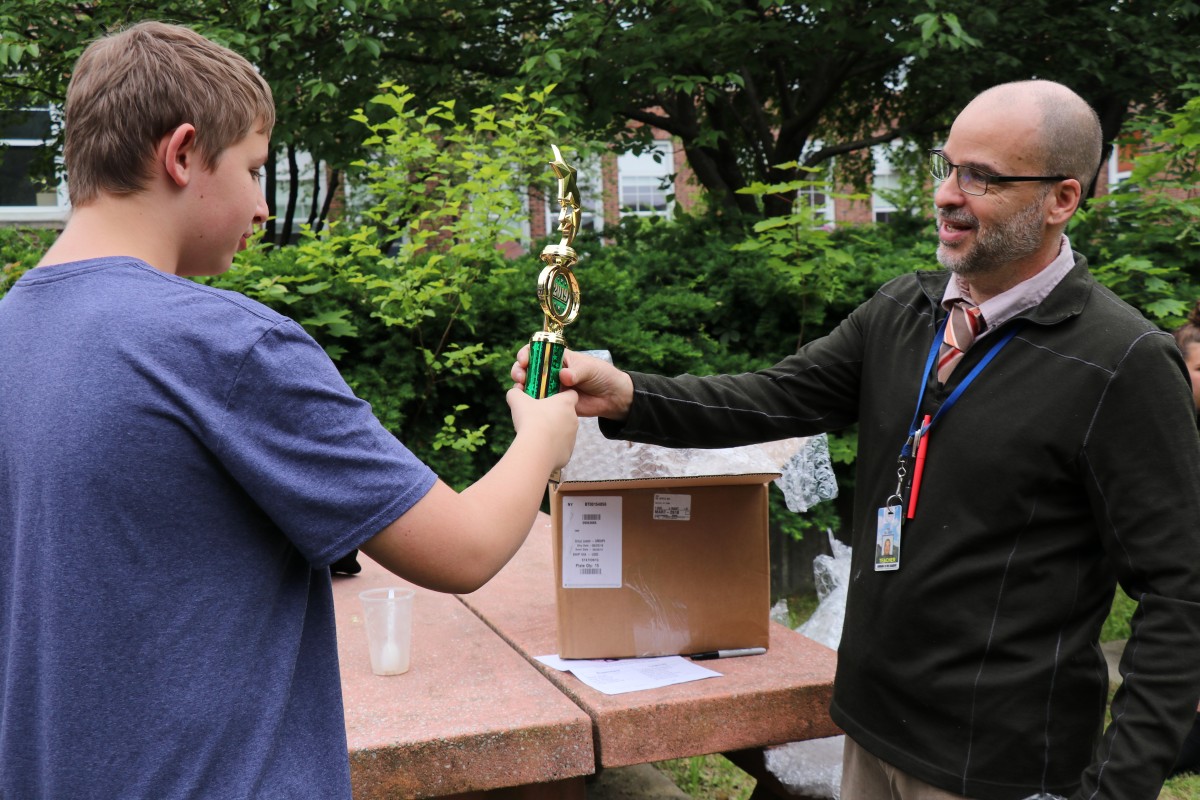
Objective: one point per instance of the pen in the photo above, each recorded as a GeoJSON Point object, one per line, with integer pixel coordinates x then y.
{"type": "Point", "coordinates": [918, 469]}
{"type": "Point", "coordinates": [745, 651]}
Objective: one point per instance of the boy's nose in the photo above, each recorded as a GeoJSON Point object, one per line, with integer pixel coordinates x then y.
{"type": "Point", "coordinates": [261, 211]}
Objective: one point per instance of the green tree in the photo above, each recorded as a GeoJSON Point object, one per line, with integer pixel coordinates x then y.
{"type": "Point", "coordinates": [322, 58]}
{"type": "Point", "coordinates": [750, 85]}
{"type": "Point", "coordinates": [745, 85]}
{"type": "Point", "coordinates": [391, 298]}
{"type": "Point", "coordinates": [1144, 237]}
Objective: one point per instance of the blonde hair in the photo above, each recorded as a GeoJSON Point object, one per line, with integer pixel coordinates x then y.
{"type": "Point", "coordinates": [131, 88]}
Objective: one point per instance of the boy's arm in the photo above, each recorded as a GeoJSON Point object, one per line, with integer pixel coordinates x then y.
{"type": "Point", "coordinates": [455, 542]}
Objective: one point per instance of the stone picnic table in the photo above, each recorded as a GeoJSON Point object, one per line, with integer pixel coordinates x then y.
{"type": "Point", "coordinates": [478, 716]}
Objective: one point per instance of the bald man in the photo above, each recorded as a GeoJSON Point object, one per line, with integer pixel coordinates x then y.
{"type": "Point", "coordinates": [1051, 411]}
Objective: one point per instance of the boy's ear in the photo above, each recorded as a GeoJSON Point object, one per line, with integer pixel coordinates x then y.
{"type": "Point", "coordinates": [177, 154]}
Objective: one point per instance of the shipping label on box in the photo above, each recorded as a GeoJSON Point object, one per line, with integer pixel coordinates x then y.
{"type": "Point", "coordinates": [661, 566]}
{"type": "Point", "coordinates": [591, 542]}
{"type": "Point", "coordinates": [673, 506]}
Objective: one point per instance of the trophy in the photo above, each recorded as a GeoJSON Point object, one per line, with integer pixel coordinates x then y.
{"type": "Point", "coordinates": [557, 291]}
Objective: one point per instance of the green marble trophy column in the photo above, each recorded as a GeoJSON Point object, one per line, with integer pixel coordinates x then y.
{"type": "Point", "coordinates": [557, 290]}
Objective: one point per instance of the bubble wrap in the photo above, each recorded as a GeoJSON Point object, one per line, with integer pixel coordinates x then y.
{"type": "Point", "coordinates": [811, 768]}
{"type": "Point", "coordinates": [807, 473]}
{"type": "Point", "coordinates": [831, 575]}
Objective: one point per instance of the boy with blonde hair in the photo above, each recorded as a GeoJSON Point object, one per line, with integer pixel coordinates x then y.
{"type": "Point", "coordinates": [180, 465]}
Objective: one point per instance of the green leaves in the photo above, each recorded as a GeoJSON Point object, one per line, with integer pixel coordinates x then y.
{"type": "Point", "coordinates": [1143, 239]}
{"type": "Point", "coordinates": [20, 251]}
{"type": "Point", "coordinates": [455, 182]}
{"type": "Point", "coordinates": [11, 53]}
{"type": "Point", "coordinates": [391, 292]}
{"type": "Point", "coordinates": [942, 30]}
{"type": "Point", "coordinates": [463, 440]}
{"type": "Point", "coordinates": [798, 246]}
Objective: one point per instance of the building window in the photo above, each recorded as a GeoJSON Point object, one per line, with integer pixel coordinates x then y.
{"type": "Point", "coordinates": [816, 194]}
{"type": "Point", "coordinates": [817, 198]}
{"type": "Point", "coordinates": [646, 181]}
{"type": "Point", "coordinates": [1120, 165]}
{"type": "Point", "coordinates": [590, 195]}
{"type": "Point", "coordinates": [885, 182]}
{"type": "Point", "coordinates": [29, 188]}
{"type": "Point", "coordinates": [818, 181]}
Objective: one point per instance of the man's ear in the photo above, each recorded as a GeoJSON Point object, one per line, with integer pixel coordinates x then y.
{"type": "Point", "coordinates": [177, 154]}
{"type": "Point", "coordinates": [1066, 198]}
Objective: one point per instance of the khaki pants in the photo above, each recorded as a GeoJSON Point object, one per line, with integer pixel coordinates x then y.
{"type": "Point", "coordinates": [865, 777]}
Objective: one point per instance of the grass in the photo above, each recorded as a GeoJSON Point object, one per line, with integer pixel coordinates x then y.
{"type": "Point", "coordinates": [1182, 787]}
{"type": "Point", "coordinates": [1117, 625]}
{"type": "Point", "coordinates": [708, 778]}
{"type": "Point", "coordinates": [713, 777]}
{"type": "Point", "coordinates": [800, 608]}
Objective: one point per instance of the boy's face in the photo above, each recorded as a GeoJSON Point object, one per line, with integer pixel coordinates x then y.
{"type": "Point", "coordinates": [227, 204]}
{"type": "Point", "coordinates": [1191, 355]}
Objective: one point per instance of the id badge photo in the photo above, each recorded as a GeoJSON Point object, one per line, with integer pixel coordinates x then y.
{"type": "Point", "coordinates": [887, 538]}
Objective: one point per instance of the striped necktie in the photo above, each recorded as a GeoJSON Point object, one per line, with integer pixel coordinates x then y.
{"type": "Point", "coordinates": [965, 324]}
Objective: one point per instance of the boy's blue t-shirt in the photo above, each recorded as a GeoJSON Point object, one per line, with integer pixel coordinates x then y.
{"type": "Point", "coordinates": [178, 467]}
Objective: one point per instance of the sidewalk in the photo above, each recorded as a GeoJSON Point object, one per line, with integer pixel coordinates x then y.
{"type": "Point", "coordinates": [1112, 654]}
{"type": "Point", "coordinates": [639, 782]}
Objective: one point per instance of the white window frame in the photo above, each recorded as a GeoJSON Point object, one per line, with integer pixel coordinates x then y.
{"type": "Point", "coordinates": [883, 177]}
{"type": "Point", "coordinates": [1115, 174]}
{"type": "Point", "coordinates": [809, 194]}
{"type": "Point", "coordinates": [640, 172]}
{"type": "Point", "coordinates": [38, 214]}
{"type": "Point", "coordinates": [820, 201]}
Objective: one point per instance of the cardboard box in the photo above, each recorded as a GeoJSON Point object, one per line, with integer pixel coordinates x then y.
{"type": "Point", "coordinates": [661, 566]}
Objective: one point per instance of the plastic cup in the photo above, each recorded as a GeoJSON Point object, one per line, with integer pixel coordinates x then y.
{"type": "Point", "coordinates": [388, 615]}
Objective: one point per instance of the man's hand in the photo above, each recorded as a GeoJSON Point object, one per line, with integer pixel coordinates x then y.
{"type": "Point", "coordinates": [604, 390]}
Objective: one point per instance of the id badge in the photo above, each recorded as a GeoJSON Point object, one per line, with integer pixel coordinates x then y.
{"type": "Point", "coordinates": [887, 538]}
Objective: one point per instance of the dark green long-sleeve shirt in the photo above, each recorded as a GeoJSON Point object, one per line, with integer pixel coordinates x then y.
{"type": "Point", "coordinates": [1071, 463]}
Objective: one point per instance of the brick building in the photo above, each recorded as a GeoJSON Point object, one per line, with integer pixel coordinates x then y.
{"type": "Point", "coordinates": [614, 185]}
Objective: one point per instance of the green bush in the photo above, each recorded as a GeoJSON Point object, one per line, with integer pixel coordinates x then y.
{"type": "Point", "coordinates": [1143, 239]}
{"type": "Point", "coordinates": [423, 314]}
{"type": "Point", "coordinates": [391, 296]}
{"type": "Point", "coordinates": [20, 250]}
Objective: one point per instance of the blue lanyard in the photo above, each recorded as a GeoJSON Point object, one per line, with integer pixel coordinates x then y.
{"type": "Point", "coordinates": [962, 387]}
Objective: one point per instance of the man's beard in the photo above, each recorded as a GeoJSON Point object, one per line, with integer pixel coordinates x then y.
{"type": "Point", "coordinates": [1003, 242]}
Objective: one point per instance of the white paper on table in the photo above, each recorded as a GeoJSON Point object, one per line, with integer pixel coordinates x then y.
{"type": "Point", "coordinates": [620, 675]}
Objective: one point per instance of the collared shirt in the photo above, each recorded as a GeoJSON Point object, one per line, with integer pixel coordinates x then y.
{"type": "Point", "coordinates": [1025, 295]}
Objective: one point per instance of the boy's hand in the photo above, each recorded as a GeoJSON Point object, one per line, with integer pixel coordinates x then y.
{"type": "Point", "coordinates": [604, 390]}
{"type": "Point", "coordinates": [552, 420]}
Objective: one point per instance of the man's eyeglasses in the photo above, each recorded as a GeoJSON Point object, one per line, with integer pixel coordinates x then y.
{"type": "Point", "coordinates": [975, 181]}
